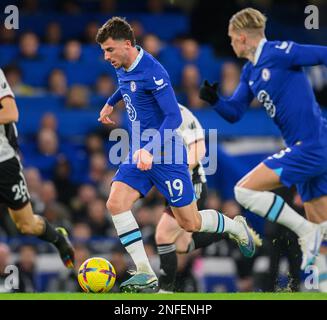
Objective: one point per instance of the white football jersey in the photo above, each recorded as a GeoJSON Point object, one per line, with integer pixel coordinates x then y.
{"type": "Point", "coordinates": [191, 131]}
{"type": "Point", "coordinates": [8, 131]}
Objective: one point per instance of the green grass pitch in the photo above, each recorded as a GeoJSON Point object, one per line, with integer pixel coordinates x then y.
{"type": "Point", "coordinates": [175, 296]}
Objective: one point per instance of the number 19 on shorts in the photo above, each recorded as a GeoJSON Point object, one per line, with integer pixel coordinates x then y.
{"type": "Point", "coordinates": [176, 185]}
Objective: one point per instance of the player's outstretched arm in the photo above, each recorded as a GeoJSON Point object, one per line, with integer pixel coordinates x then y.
{"type": "Point", "coordinates": [115, 98]}
{"type": "Point", "coordinates": [308, 55]}
{"type": "Point", "coordinates": [105, 114]}
{"type": "Point", "coordinates": [231, 109]}
{"type": "Point", "coordinates": [108, 107]}
{"type": "Point", "coordinates": [9, 111]}
{"type": "Point", "coordinates": [8, 107]}
{"type": "Point", "coordinates": [294, 54]}
{"type": "Point", "coordinates": [208, 92]}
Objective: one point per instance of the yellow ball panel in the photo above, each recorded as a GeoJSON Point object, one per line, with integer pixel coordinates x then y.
{"type": "Point", "coordinates": [96, 275]}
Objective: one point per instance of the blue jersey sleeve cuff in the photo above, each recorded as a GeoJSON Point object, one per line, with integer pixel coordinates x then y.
{"type": "Point", "coordinates": [115, 98]}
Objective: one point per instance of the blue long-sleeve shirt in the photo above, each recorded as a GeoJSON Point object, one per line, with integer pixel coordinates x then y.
{"type": "Point", "coordinates": [277, 80]}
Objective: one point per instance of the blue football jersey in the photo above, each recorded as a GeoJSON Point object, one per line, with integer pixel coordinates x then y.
{"type": "Point", "coordinates": [277, 80]}
{"type": "Point", "coordinates": [153, 110]}
{"type": "Point", "coordinates": [150, 104]}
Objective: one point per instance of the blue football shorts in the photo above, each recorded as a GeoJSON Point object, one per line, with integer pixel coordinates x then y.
{"type": "Point", "coordinates": [173, 181]}
{"type": "Point", "coordinates": [303, 165]}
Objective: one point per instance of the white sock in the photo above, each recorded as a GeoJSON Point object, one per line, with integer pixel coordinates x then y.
{"type": "Point", "coordinates": [321, 263]}
{"type": "Point", "coordinates": [131, 238]}
{"type": "Point", "coordinates": [214, 221]}
{"type": "Point", "coordinates": [272, 207]}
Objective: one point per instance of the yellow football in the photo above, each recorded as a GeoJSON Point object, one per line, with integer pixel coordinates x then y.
{"type": "Point", "coordinates": [96, 275]}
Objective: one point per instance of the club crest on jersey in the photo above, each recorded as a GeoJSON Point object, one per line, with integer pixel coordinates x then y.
{"type": "Point", "coordinates": [265, 74]}
{"type": "Point", "coordinates": [131, 112]}
{"type": "Point", "coordinates": [133, 86]}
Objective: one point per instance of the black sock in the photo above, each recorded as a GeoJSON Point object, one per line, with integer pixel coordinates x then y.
{"type": "Point", "coordinates": [203, 239]}
{"type": "Point", "coordinates": [168, 266]}
{"type": "Point", "coordinates": [50, 234]}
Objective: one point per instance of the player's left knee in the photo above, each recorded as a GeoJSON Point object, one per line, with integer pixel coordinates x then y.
{"type": "Point", "coordinates": [116, 206]}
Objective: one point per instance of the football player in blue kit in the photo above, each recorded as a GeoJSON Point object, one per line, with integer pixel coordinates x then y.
{"type": "Point", "coordinates": [158, 159]}
{"type": "Point", "coordinates": [275, 77]}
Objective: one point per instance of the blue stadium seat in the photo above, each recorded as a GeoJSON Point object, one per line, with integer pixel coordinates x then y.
{"type": "Point", "coordinates": [26, 147]}
{"type": "Point", "coordinates": [70, 122]}
{"type": "Point", "coordinates": [41, 104]}
{"type": "Point", "coordinates": [50, 52]}
{"type": "Point", "coordinates": [77, 157]}
{"type": "Point", "coordinates": [82, 72]}
{"type": "Point", "coordinates": [165, 26]}
{"type": "Point", "coordinates": [72, 25]}
{"type": "Point", "coordinates": [44, 163]}
{"type": "Point", "coordinates": [106, 68]}
{"type": "Point", "coordinates": [36, 72]}
{"type": "Point", "coordinates": [97, 101]}
{"type": "Point", "coordinates": [92, 53]}
{"type": "Point", "coordinates": [209, 65]}
{"type": "Point", "coordinates": [171, 59]}
{"type": "Point", "coordinates": [8, 54]}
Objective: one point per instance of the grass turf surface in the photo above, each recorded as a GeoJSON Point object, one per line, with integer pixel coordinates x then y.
{"type": "Point", "coordinates": [175, 296]}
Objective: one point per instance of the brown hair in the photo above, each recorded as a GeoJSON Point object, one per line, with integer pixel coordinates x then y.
{"type": "Point", "coordinates": [249, 18]}
{"type": "Point", "coordinates": [116, 28]}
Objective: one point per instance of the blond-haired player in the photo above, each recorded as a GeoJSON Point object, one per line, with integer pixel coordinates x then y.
{"type": "Point", "coordinates": [274, 75]}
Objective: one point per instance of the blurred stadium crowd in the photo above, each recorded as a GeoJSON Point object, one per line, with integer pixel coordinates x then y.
{"type": "Point", "coordinates": [61, 81]}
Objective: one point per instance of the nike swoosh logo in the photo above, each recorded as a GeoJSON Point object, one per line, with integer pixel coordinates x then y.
{"type": "Point", "coordinates": [162, 272]}
{"type": "Point", "coordinates": [173, 201]}
{"type": "Point", "coordinates": [315, 249]}
{"type": "Point", "coordinates": [251, 242]}
{"type": "Point", "coordinates": [158, 82]}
